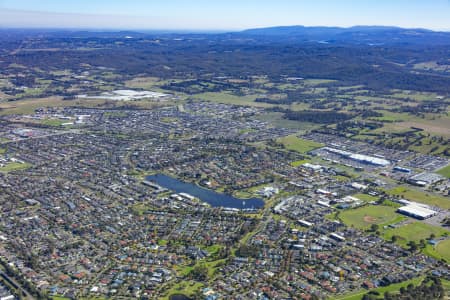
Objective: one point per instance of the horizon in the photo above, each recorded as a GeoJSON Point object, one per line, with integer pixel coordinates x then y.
{"type": "Point", "coordinates": [201, 15]}
{"type": "Point", "coordinates": [202, 31]}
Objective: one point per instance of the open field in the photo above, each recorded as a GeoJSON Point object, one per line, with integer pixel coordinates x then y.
{"type": "Point", "coordinates": [432, 65]}
{"type": "Point", "coordinates": [187, 288]}
{"type": "Point", "coordinates": [314, 82]}
{"type": "Point", "coordinates": [395, 288]}
{"type": "Point", "coordinates": [445, 171]}
{"type": "Point", "coordinates": [151, 83]}
{"type": "Point", "coordinates": [228, 98]}
{"type": "Point", "coordinates": [28, 106]}
{"type": "Point", "coordinates": [418, 196]}
{"type": "Point", "coordinates": [389, 116]}
{"type": "Point", "coordinates": [277, 120]}
{"type": "Point", "coordinates": [438, 126]}
{"type": "Point", "coordinates": [53, 122]}
{"type": "Point", "coordinates": [300, 145]}
{"type": "Point", "coordinates": [443, 248]}
{"type": "Point", "coordinates": [415, 95]}
{"type": "Point", "coordinates": [365, 216]}
{"type": "Point", "coordinates": [14, 166]}
{"type": "Point", "coordinates": [365, 197]}
{"type": "Point", "coordinates": [440, 251]}
{"type": "Point", "coordinates": [414, 231]}
{"type": "Point", "coordinates": [299, 162]}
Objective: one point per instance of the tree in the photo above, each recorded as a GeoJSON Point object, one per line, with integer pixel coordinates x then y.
{"type": "Point", "coordinates": [199, 273]}
{"type": "Point", "coordinates": [422, 244]}
{"type": "Point", "coordinates": [412, 246]}
{"type": "Point", "coordinates": [374, 227]}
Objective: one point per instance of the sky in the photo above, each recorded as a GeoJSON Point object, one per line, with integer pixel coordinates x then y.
{"type": "Point", "coordinates": [222, 15]}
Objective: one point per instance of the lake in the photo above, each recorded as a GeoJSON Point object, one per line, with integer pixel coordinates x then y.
{"type": "Point", "coordinates": [211, 197]}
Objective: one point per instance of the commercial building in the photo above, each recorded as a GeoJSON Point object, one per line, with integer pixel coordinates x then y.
{"type": "Point", "coordinates": [417, 210]}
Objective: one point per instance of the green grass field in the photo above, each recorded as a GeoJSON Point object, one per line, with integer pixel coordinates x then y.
{"type": "Point", "coordinates": [418, 196]}
{"type": "Point", "coordinates": [365, 197]}
{"type": "Point", "coordinates": [440, 251]}
{"type": "Point", "coordinates": [14, 166]}
{"type": "Point", "coordinates": [445, 171]}
{"type": "Point", "coordinates": [365, 216]}
{"type": "Point", "coordinates": [313, 82]}
{"type": "Point", "coordinates": [414, 231]}
{"type": "Point", "coordinates": [394, 288]}
{"type": "Point", "coordinates": [28, 106]}
{"type": "Point", "coordinates": [187, 288]}
{"type": "Point", "coordinates": [277, 120]}
{"type": "Point", "coordinates": [443, 248]}
{"type": "Point", "coordinates": [300, 145]}
{"type": "Point", "coordinates": [228, 98]}
{"type": "Point", "coordinates": [53, 122]}
{"type": "Point", "coordinates": [299, 162]}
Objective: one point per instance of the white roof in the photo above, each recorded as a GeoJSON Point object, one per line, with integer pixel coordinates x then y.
{"type": "Point", "coordinates": [416, 209]}
{"type": "Point", "coordinates": [370, 159]}
{"type": "Point", "coordinates": [360, 157]}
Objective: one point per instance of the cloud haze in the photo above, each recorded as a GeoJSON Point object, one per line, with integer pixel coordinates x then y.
{"type": "Point", "coordinates": [232, 14]}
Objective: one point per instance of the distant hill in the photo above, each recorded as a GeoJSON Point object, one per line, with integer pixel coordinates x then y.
{"type": "Point", "coordinates": [368, 35]}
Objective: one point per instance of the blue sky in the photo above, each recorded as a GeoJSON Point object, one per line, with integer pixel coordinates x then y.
{"type": "Point", "coordinates": [223, 15]}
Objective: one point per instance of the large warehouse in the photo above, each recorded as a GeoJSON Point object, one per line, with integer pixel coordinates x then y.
{"type": "Point", "coordinates": [417, 210]}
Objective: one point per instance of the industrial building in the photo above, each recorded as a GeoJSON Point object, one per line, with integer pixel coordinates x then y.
{"type": "Point", "coordinates": [360, 157]}
{"type": "Point", "coordinates": [417, 210]}
{"type": "Point", "coordinates": [424, 179]}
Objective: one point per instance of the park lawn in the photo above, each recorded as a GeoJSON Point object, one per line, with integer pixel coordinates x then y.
{"type": "Point", "coordinates": [393, 288]}
{"type": "Point", "coordinates": [14, 166]}
{"type": "Point", "coordinates": [364, 217]}
{"type": "Point", "coordinates": [443, 248]}
{"type": "Point", "coordinates": [211, 265]}
{"type": "Point", "coordinates": [445, 171]}
{"type": "Point", "coordinates": [414, 231]}
{"type": "Point", "coordinates": [294, 143]}
{"type": "Point", "coordinates": [299, 162]}
{"type": "Point", "coordinates": [440, 251]}
{"type": "Point", "coordinates": [418, 196]}
{"type": "Point", "coordinates": [446, 284]}
{"type": "Point", "coordinates": [188, 288]}
{"type": "Point", "coordinates": [2, 150]}
{"type": "Point", "coordinates": [53, 122]}
{"type": "Point", "coordinates": [365, 197]}
{"type": "Point", "coordinates": [162, 242]}
{"type": "Point", "coordinates": [213, 249]}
